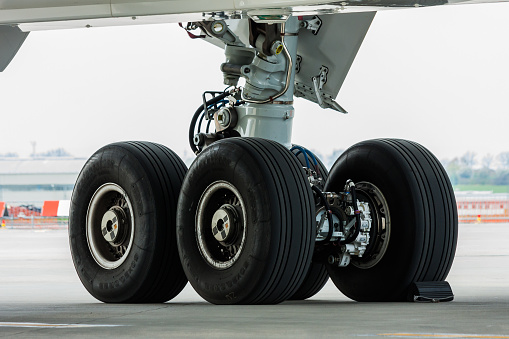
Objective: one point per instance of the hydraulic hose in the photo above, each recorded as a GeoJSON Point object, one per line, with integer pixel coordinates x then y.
{"type": "Point", "coordinates": [357, 216]}
{"type": "Point", "coordinates": [329, 213]}
{"type": "Point", "coordinates": [197, 115]}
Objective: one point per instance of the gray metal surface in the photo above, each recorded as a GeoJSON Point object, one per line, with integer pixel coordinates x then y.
{"type": "Point", "coordinates": [11, 39]}
{"type": "Point", "coordinates": [38, 285]}
{"type": "Point", "coordinates": [334, 46]}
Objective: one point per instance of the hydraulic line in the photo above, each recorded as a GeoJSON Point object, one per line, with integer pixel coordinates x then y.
{"type": "Point", "coordinates": [288, 74]}
{"type": "Point", "coordinates": [303, 151]}
{"type": "Point", "coordinates": [357, 214]}
{"type": "Point", "coordinates": [222, 102]}
{"type": "Point", "coordinates": [307, 152]}
{"type": "Point", "coordinates": [329, 213]}
{"type": "Point", "coordinates": [197, 115]}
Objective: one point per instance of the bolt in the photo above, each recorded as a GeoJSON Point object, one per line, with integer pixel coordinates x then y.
{"type": "Point", "coordinates": [198, 139]}
{"type": "Point", "coordinates": [223, 117]}
{"type": "Point", "coordinates": [218, 27]}
{"type": "Point", "coordinates": [276, 48]}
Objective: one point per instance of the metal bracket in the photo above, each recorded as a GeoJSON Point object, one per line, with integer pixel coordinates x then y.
{"type": "Point", "coordinates": [316, 94]}
{"type": "Point", "coordinates": [308, 93]}
{"type": "Point", "coordinates": [219, 29]}
{"type": "Point", "coordinates": [318, 83]}
{"type": "Point", "coordinates": [322, 77]}
{"type": "Point", "coordinates": [297, 65]}
{"type": "Point", "coordinates": [313, 24]}
{"type": "Point", "coordinates": [269, 16]}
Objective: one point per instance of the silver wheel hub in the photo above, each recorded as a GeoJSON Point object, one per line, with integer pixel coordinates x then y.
{"type": "Point", "coordinates": [110, 226]}
{"type": "Point", "coordinates": [221, 225]}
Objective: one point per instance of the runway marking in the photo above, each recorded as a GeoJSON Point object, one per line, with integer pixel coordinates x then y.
{"type": "Point", "coordinates": [434, 335]}
{"type": "Point", "coordinates": [43, 325]}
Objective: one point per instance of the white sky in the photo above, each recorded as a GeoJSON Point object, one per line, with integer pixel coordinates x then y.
{"type": "Point", "coordinates": [439, 76]}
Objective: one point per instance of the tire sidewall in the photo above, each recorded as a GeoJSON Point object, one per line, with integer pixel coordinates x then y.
{"type": "Point", "coordinates": [227, 162]}
{"type": "Point", "coordinates": [113, 164]}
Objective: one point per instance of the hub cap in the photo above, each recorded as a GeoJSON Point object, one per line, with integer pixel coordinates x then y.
{"type": "Point", "coordinates": [224, 223]}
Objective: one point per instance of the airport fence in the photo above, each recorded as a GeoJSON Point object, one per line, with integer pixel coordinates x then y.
{"type": "Point", "coordinates": [473, 207]}
{"type": "Point", "coordinates": [34, 222]}
{"type": "Point", "coordinates": [482, 207]}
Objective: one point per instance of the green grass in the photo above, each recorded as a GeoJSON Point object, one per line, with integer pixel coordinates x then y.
{"type": "Point", "coordinates": [494, 188]}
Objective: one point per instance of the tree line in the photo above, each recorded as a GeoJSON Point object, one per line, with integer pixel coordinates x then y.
{"type": "Point", "coordinates": [467, 170]}
{"type": "Point", "coordinates": [464, 170]}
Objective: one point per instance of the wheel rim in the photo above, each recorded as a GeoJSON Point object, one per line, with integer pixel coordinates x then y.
{"type": "Point", "coordinates": [220, 225]}
{"type": "Point", "coordinates": [110, 226]}
{"type": "Point", "coordinates": [380, 232]}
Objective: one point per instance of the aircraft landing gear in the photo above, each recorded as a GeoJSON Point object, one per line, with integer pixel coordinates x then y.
{"type": "Point", "coordinates": [254, 222]}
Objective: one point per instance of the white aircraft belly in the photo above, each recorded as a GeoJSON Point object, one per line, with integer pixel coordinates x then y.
{"type": "Point", "coordinates": [31, 15]}
{"type": "Point", "coordinates": [30, 11]}
{"type": "Point", "coordinates": [21, 11]}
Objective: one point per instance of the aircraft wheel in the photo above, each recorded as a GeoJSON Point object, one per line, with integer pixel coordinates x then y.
{"type": "Point", "coordinates": [415, 223]}
{"type": "Point", "coordinates": [245, 222]}
{"type": "Point", "coordinates": [317, 275]}
{"type": "Point", "coordinates": [122, 223]}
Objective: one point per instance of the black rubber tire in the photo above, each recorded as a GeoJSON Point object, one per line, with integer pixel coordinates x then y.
{"type": "Point", "coordinates": [151, 175]}
{"type": "Point", "coordinates": [424, 221]}
{"type": "Point", "coordinates": [317, 276]}
{"type": "Point", "coordinates": [278, 205]}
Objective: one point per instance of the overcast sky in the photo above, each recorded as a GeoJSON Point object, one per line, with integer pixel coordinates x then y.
{"type": "Point", "coordinates": [439, 76]}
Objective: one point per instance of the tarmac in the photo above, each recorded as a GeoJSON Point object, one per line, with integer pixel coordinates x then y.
{"type": "Point", "coordinates": [42, 297]}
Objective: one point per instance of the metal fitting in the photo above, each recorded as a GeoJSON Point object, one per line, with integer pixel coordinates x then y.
{"type": "Point", "coordinates": [199, 139]}
{"type": "Point", "coordinates": [223, 117]}
{"type": "Point", "coordinates": [276, 48]}
{"type": "Point", "coordinates": [218, 27]}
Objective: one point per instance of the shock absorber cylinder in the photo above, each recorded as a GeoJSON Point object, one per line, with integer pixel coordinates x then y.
{"type": "Point", "coordinates": [268, 112]}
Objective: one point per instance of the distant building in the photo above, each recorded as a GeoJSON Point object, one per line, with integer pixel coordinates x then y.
{"type": "Point", "coordinates": [34, 180]}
